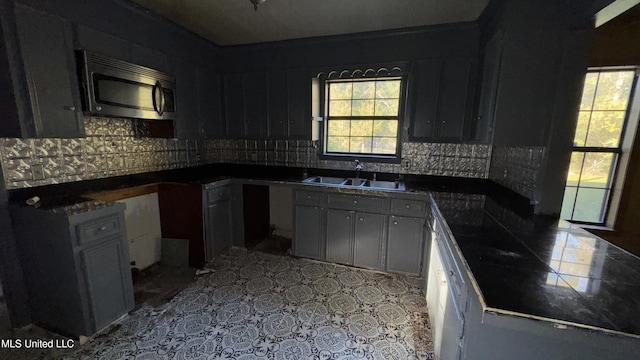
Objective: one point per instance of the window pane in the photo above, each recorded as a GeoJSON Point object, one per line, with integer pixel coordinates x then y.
{"type": "Point", "coordinates": [581, 128]}
{"type": "Point", "coordinates": [362, 108]}
{"type": "Point", "coordinates": [340, 108]}
{"type": "Point", "coordinates": [384, 145]}
{"type": "Point", "coordinates": [605, 128]}
{"type": "Point", "coordinates": [385, 128]}
{"type": "Point", "coordinates": [575, 167]}
{"type": "Point", "coordinates": [568, 202]}
{"type": "Point", "coordinates": [589, 205]}
{"type": "Point", "coordinates": [589, 91]}
{"type": "Point", "coordinates": [360, 145]}
{"type": "Point", "coordinates": [339, 127]}
{"type": "Point", "coordinates": [341, 90]}
{"type": "Point", "coordinates": [364, 89]}
{"type": "Point", "coordinates": [613, 90]}
{"type": "Point", "coordinates": [361, 127]}
{"type": "Point", "coordinates": [387, 107]}
{"type": "Point", "coordinates": [337, 144]}
{"type": "Point", "coordinates": [388, 89]}
{"type": "Point", "coordinates": [596, 170]}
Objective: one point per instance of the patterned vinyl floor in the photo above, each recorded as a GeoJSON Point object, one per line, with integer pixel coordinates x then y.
{"type": "Point", "coordinates": [261, 306]}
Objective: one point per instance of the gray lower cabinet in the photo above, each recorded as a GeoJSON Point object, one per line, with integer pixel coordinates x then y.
{"type": "Point", "coordinates": [368, 244]}
{"type": "Point", "coordinates": [308, 232]}
{"type": "Point", "coordinates": [404, 244]}
{"type": "Point", "coordinates": [218, 224]}
{"type": "Point", "coordinates": [76, 267]}
{"type": "Point", "coordinates": [339, 236]}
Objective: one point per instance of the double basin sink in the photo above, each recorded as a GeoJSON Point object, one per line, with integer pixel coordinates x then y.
{"type": "Point", "coordinates": [356, 183]}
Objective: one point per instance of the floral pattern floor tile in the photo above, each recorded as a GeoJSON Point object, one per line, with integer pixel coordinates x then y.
{"type": "Point", "coordinates": [260, 306]}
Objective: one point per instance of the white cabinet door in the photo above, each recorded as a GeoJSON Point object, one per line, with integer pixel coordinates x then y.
{"type": "Point", "coordinates": [142, 217]}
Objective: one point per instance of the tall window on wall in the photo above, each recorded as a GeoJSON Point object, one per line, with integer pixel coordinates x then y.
{"type": "Point", "coordinates": [598, 144]}
{"type": "Point", "coordinates": [362, 116]}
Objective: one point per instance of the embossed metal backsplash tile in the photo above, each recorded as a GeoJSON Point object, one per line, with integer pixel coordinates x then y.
{"type": "Point", "coordinates": [517, 168]}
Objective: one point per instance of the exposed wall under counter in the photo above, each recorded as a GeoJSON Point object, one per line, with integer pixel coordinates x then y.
{"type": "Point", "coordinates": [110, 149]}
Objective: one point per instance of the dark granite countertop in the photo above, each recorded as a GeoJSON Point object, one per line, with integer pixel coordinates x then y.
{"type": "Point", "coordinates": [543, 267]}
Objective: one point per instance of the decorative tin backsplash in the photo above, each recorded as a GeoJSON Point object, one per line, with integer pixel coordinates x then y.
{"type": "Point", "coordinates": [517, 167]}
{"type": "Point", "coordinates": [110, 149]}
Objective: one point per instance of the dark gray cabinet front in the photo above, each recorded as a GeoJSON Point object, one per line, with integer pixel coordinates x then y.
{"type": "Point", "coordinates": [299, 102]}
{"type": "Point", "coordinates": [369, 240]}
{"type": "Point", "coordinates": [49, 66]}
{"type": "Point", "coordinates": [106, 281]}
{"type": "Point", "coordinates": [404, 244]}
{"type": "Point", "coordinates": [277, 105]}
{"type": "Point", "coordinates": [209, 105]}
{"type": "Point", "coordinates": [308, 233]}
{"type": "Point", "coordinates": [255, 105]}
{"type": "Point", "coordinates": [233, 106]}
{"type": "Point", "coordinates": [218, 227]}
{"type": "Point", "coordinates": [339, 236]}
{"type": "Point", "coordinates": [187, 125]}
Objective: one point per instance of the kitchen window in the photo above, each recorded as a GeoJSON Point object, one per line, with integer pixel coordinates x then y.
{"type": "Point", "coordinates": [602, 141]}
{"type": "Point", "coordinates": [363, 117]}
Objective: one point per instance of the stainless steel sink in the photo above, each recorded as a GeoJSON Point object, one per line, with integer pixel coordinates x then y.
{"type": "Point", "coordinates": [356, 183]}
{"type": "Point", "coordinates": [324, 180]}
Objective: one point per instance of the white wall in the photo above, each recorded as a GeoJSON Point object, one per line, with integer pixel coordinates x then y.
{"type": "Point", "coordinates": [281, 210]}
{"type": "Point", "coordinates": [142, 218]}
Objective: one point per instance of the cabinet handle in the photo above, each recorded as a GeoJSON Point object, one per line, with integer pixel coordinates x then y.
{"type": "Point", "coordinates": [98, 108]}
{"type": "Point", "coordinates": [451, 273]}
{"type": "Point", "coordinates": [103, 228]}
{"type": "Point", "coordinates": [361, 219]}
{"type": "Point", "coordinates": [395, 223]}
{"type": "Point", "coordinates": [355, 201]}
{"type": "Point", "coordinates": [443, 282]}
{"type": "Point", "coordinates": [348, 217]}
{"type": "Point", "coordinates": [70, 108]}
{"type": "Point", "coordinates": [408, 206]}
{"type": "Point", "coordinates": [308, 196]}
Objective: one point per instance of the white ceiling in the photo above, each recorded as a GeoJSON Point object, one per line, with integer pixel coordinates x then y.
{"type": "Point", "coordinates": [233, 22]}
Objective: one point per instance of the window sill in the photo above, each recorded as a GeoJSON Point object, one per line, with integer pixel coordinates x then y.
{"type": "Point", "coordinates": [595, 227]}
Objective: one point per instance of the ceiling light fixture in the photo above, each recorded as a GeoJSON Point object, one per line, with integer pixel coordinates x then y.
{"type": "Point", "coordinates": [256, 3]}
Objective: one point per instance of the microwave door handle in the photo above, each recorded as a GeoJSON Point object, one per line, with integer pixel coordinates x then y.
{"type": "Point", "coordinates": [158, 98]}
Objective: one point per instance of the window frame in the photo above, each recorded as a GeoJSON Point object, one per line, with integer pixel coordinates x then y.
{"type": "Point", "coordinates": [402, 106]}
{"type": "Point", "coordinates": [620, 153]}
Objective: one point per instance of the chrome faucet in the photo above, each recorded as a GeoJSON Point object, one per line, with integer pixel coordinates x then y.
{"type": "Point", "coordinates": [358, 168]}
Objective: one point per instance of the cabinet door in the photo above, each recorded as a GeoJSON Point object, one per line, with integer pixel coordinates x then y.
{"type": "Point", "coordinates": [308, 235]}
{"type": "Point", "coordinates": [404, 245]}
{"type": "Point", "coordinates": [233, 106]}
{"type": "Point", "coordinates": [47, 51]}
{"type": "Point", "coordinates": [209, 103]}
{"type": "Point", "coordinates": [102, 43]}
{"type": "Point", "coordinates": [150, 58]}
{"type": "Point", "coordinates": [255, 105]}
{"type": "Point", "coordinates": [339, 235]}
{"type": "Point", "coordinates": [108, 281]}
{"type": "Point", "coordinates": [368, 240]}
{"type": "Point", "coordinates": [427, 92]}
{"type": "Point", "coordinates": [489, 88]}
{"type": "Point", "coordinates": [454, 104]}
{"type": "Point", "coordinates": [187, 124]}
{"type": "Point", "coordinates": [299, 102]}
{"type": "Point", "coordinates": [219, 234]}
{"type": "Point", "coordinates": [277, 104]}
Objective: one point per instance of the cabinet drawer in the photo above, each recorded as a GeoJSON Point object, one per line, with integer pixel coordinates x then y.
{"type": "Point", "coordinates": [309, 197]}
{"type": "Point", "coordinates": [217, 194]}
{"type": "Point", "coordinates": [355, 202]}
{"type": "Point", "coordinates": [98, 229]}
{"type": "Point", "coordinates": [408, 207]}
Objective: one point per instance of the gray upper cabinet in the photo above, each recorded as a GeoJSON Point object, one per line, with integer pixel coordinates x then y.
{"type": "Point", "coordinates": [150, 58]}
{"type": "Point", "coordinates": [49, 67]}
{"type": "Point", "coordinates": [188, 124]}
{"type": "Point", "coordinates": [255, 105]}
{"type": "Point", "coordinates": [443, 96]}
{"type": "Point", "coordinates": [492, 60]}
{"type": "Point", "coordinates": [299, 103]}
{"type": "Point", "coordinates": [209, 105]}
{"type": "Point", "coordinates": [277, 105]}
{"type": "Point", "coordinates": [102, 43]}
{"type": "Point", "coordinates": [233, 106]}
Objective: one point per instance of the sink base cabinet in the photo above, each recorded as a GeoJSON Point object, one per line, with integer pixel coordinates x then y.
{"type": "Point", "coordinates": [218, 220]}
{"type": "Point", "coordinates": [360, 230]}
{"type": "Point", "coordinates": [76, 267]}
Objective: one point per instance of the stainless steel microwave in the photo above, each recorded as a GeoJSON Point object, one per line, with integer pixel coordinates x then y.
{"type": "Point", "coordinates": [117, 88]}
